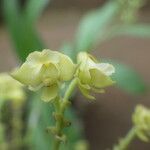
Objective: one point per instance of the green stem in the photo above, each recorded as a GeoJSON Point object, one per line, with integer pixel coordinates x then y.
{"type": "Point", "coordinates": [63, 105]}
{"type": "Point", "coordinates": [125, 142]}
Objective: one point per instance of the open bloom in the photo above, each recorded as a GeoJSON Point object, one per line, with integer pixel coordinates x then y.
{"type": "Point", "coordinates": [46, 70]}
{"type": "Point", "coordinates": [141, 120]}
{"type": "Point", "coordinates": [10, 89]}
{"type": "Point", "coordinates": [92, 75]}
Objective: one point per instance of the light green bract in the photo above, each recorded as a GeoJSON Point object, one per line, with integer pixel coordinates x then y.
{"type": "Point", "coordinates": [141, 120]}
{"type": "Point", "coordinates": [92, 75]}
{"type": "Point", "coordinates": [46, 70]}
{"type": "Point", "coordinates": [10, 89]}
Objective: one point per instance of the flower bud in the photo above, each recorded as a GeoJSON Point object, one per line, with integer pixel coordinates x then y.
{"type": "Point", "coordinates": [92, 75]}
{"type": "Point", "coordinates": [10, 89]}
{"type": "Point", "coordinates": [82, 145]}
{"type": "Point", "coordinates": [141, 120]}
{"type": "Point", "coordinates": [46, 70]}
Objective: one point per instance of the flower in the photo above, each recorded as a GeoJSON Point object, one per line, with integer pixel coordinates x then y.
{"type": "Point", "coordinates": [141, 120]}
{"type": "Point", "coordinates": [10, 89]}
{"type": "Point", "coordinates": [92, 75]}
{"type": "Point", "coordinates": [45, 70]}
{"type": "Point", "coordinates": [82, 145]}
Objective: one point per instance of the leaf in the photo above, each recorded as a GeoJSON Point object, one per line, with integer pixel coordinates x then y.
{"type": "Point", "coordinates": [94, 25]}
{"type": "Point", "coordinates": [137, 30]}
{"type": "Point", "coordinates": [128, 79]}
{"type": "Point", "coordinates": [68, 49]}
{"type": "Point", "coordinates": [39, 119]}
{"type": "Point", "coordinates": [34, 9]}
{"type": "Point", "coordinates": [23, 33]}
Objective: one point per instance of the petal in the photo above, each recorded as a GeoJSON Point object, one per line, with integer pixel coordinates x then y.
{"type": "Point", "coordinates": [142, 136]}
{"type": "Point", "coordinates": [98, 90]}
{"type": "Point", "coordinates": [50, 73]}
{"type": "Point", "coordinates": [43, 57]}
{"type": "Point", "coordinates": [86, 93]}
{"type": "Point", "coordinates": [34, 57]}
{"type": "Point", "coordinates": [49, 93]}
{"type": "Point", "coordinates": [83, 72]}
{"type": "Point", "coordinates": [67, 68]}
{"type": "Point", "coordinates": [93, 58]}
{"type": "Point", "coordinates": [28, 74]}
{"type": "Point", "coordinates": [49, 55]}
{"type": "Point", "coordinates": [99, 79]}
{"type": "Point", "coordinates": [85, 86]}
{"type": "Point", "coordinates": [35, 88]}
{"type": "Point", "coordinates": [106, 68]}
{"type": "Point", "coordinates": [82, 57]}
{"type": "Point", "coordinates": [85, 57]}
{"type": "Point", "coordinates": [85, 90]}
{"type": "Point", "coordinates": [84, 76]}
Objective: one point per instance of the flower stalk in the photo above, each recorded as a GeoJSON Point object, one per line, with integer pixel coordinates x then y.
{"type": "Point", "coordinates": [140, 129]}
{"type": "Point", "coordinates": [61, 106]}
{"type": "Point", "coordinates": [126, 141]}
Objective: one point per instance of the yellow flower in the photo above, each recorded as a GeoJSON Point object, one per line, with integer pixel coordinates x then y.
{"type": "Point", "coordinates": [92, 75]}
{"type": "Point", "coordinates": [10, 89]}
{"type": "Point", "coordinates": [45, 70]}
{"type": "Point", "coordinates": [141, 120]}
{"type": "Point", "coordinates": [82, 145]}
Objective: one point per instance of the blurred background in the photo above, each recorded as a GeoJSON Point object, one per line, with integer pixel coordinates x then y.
{"type": "Point", "coordinates": [109, 117]}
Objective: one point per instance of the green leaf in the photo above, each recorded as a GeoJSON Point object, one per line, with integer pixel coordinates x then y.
{"type": "Point", "coordinates": [34, 9]}
{"type": "Point", "coordinates": [128, 79]}
{"type": "Point", "coordinates": [94, 25]}
{"type": "Point", "coordinates": [137, 30]}
{"type": "Point", "coordinates": [24, 35]}
{"type": "Point", "coordinates": [68, 49]}
{"type": "Point", "coordinates": [39, 119]}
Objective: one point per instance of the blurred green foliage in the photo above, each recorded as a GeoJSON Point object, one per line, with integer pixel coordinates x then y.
{"type": "Point", "coordinates": [95, 27]}
{"type": "Point", "coordinates": [21, 27]}
{"type": "Point", "coordinates": [124, 75]}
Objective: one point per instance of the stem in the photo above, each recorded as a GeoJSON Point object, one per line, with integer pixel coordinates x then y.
{"type": "Point", "coordinates": [60, 111]}
{"type": "Point", "coordinates": [125, 142]}
{"type": "Point", "coordinates": [68, 93]}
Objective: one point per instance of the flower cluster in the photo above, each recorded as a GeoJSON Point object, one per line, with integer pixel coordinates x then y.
{"type": "Point", "coordinates": [47, 70]}
{"type": "Point", "coordinates": [10, 89]}
{"type": "Point", "coordinates": [141, 120]}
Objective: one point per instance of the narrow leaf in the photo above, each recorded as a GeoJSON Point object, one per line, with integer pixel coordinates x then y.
{"type": "Point", "coordinates": [34, 9]}
{"type": "Point", "coordinates": [137, 30]}
{"type": "Point", "coordinates": [94, 25]}
{"type": "Point", "coordinates": [68, 49]}
{"type": "Point", "coordinates": [24, 36]}
{"type": "Point", "coordinates": [128, 79]}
